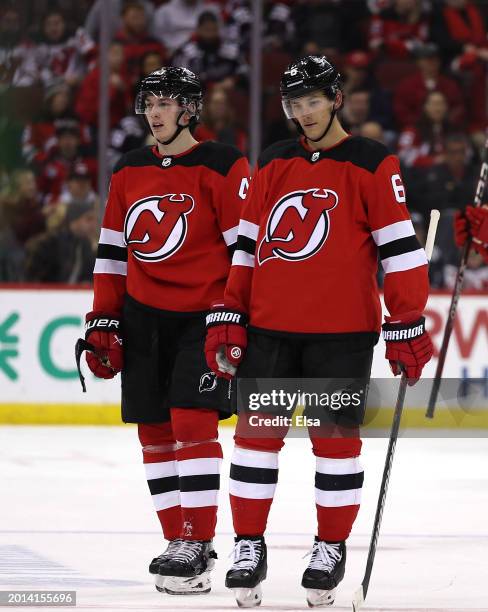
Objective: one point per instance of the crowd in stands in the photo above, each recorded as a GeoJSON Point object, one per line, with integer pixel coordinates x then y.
{"type": "Point", "coordinates": [415, 78]}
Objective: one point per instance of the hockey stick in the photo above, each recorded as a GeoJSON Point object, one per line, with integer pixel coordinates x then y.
{"type": "Point", "coordinates": [456, 292]}
{"type": "Point", "coordinates": [362, 591]}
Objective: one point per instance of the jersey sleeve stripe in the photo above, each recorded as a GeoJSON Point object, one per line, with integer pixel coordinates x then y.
{"type": "Point", "coordinates": [109, 251]}
{"type": "Point", "coordinates": [241, 258]}
{"type": "Point", "coordinates": [406, 261]}
{"type": "Point", "coordinates": [109, 266]}
{"type": "Point", "coordinates": [395, 231]}
{"type": "Point", "coordinates": [246, 244]}
{"type": "Point", "coordinates": [108, 236]}
{"type": "Point", "coordinates": [398, 247]}
{"type": "Point", "coordinates": [246, 228]}
{"type": "Point", "coordinates": [230, 235]}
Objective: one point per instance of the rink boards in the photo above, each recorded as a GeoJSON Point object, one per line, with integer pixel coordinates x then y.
{"type": "Point", "coordinates": [39, 381]}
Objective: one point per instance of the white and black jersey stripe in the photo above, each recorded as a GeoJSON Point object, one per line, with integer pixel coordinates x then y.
{"type": "Point", "coordinates": [246, 244]}
{"type": "Point", "coordinates": [338, 482]}
{"type": "Point", "coordinates": [399, 248]}
{"type": "Point", "coordinates": [111, 254]}
{"type": "Point", "coordinates": [253, 474]}
{"type": "Point", "coordinates": [199, 481]}
{"type": "Point", "coordinates": [230, 238]}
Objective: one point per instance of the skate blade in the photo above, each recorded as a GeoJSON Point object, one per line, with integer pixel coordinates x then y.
{"type": "Point", "coordinates": [317, 598]}
{"type": "Point", "coordinates": [249, 598]}
{"type": "Point", "coordinates": [197, 585]}
{"type": "Point", "coordinates": [159, 583]}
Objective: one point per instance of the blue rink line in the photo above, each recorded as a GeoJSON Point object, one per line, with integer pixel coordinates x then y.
{"type": "Point", "coordinates": [20, 566]}
{"type": "Point", "coordinates": [229, 533]}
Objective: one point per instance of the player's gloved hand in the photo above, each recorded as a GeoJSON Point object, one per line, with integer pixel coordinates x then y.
{"type": "Point", "coordinates": [408, 345]}
{"type": "Point", "coordinates": [478, 222]}
{"type": "Point", "coordinates": [226, 340]}
{"type": "Point", "coordinates": [461, 229]}
{"type": "Point", "coordinates": [103, 332]}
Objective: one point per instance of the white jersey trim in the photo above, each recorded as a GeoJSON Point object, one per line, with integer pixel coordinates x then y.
{"type": "Point", "coordinates": [241, 258]}
{"type": "Point", "coordinates": [246, 228]}
{"type": "Point", "coordinates": [395, 231]}
{"type": "Point", "coordinates": [405, 261]}
{"type": "Point", "coordinates": [230, 235]}
{"type": "Point", "coordinates": [110, 266]}
{"type": "Point", "coordinates": [108, 236]}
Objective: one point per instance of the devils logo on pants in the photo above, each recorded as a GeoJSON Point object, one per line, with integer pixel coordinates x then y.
{"type": "Point", "coordinates": [298, 225]}
{"type": "Point", "coordinates": [158, 225]}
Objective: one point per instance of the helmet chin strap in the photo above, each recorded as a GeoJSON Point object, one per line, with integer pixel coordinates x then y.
{"type": "Point", "coordinates": [177, 132]}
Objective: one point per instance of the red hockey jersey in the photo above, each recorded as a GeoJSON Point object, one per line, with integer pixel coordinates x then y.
{"type": "Point", "coordinates": [309, 238]}
{"type": "Point", "coordinates": [168, 228]}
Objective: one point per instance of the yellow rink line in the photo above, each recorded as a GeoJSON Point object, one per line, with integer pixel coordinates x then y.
{"type": "Point", "coordinates": [109, 414]}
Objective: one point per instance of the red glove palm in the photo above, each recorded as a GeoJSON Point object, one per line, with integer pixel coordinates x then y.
{"type": "Point", "coordinates": [226, 340]}
{"type": "Point", "coordinates": [102, 332]}
{"type": "Point", "coordinates": [408, 346]}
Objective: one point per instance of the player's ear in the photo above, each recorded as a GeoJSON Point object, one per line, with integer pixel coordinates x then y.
{"type": "Point", "coordinates": [339, 100]}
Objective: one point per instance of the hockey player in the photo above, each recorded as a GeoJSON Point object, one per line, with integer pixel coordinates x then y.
{"type": "Point", "coordinates": [164, 254]}
{"type": "Point", "coordinates": [473, 221]}
{"type": "Point", "coordinates": [320, 211]}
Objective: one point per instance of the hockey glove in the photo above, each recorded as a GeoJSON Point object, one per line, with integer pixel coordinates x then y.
{"type": "Point", "coordinates": [408, 345]}
{"type": "Point", "coordinates": [474, 221]}
{"type": "Point", "coordinates": [226, 340]}
{"type": "Point", "coordinates": [103, 343]}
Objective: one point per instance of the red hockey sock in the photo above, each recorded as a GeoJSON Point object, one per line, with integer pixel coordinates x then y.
{"type": "Point", "coordinates": [159, 457]}
{"type": "Point", "coordinates": [199, 456]}
{"type": "Point", "coordinates": [338, 482]}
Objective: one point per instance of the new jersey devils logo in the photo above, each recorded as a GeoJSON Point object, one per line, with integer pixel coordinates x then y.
{"type": "Point", "coordinates": [298, 225]}
{"type": "Point", "coordinates": [158, 225]}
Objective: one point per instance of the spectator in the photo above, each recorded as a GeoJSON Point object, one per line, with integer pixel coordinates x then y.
{"type": "Point", "coordinates": [218, 121]}
{"type": "Point", "coordinates": [397, 31]}
{"type": "Point", "coordinates": [39, 137]}
{"type": "Point", "coordinates": [67, 254]}
{"type": "Point", "coordinates": [21, 218]}
{"type": "Point", "coordinates": [58, 164]}
{"type": "Point", "coordinates": [119, 90]}
{"type": "Point", "coordinates": [423, 145]}
{"type": "Point", "coordinates": [475, 274]}
{"type": "Point", "coordinates": [92, 23]}
{"type": "Point", "coordinates": [459, 29]}
{"type": "Point", "coordinates": [412, 91]}
{"type": "Point", "coordinates": [175, 22]}
{"type": "Point", "coordinates": [447, 185]}
{"type": "Point", "coordinates": [135, 39]}
{"type": "Point", "coordinates": [214, 60]}
{"type": "Point", "coordinates": [373, 130]}
{"type": "Point", "coordinates": [357, 74]}
{"type": "Point", "coordinates": [356, 110]}
{"type": "Point", "coordinates": [17, 54]}
{"type": "Point", "coordinates": [60, 56]}
{"type": "Point", "coordinates": [279, 27]}
{"type": "Point", "coordinates": [78, 188]}
{"type": "Point", "coordinates": [150, 61]}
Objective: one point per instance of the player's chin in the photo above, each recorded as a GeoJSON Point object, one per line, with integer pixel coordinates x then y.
{"type": "Point", "coordinates": [311, 131]}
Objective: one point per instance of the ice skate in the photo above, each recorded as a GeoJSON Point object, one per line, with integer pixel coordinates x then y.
{"type": "Point", "coordinates": [248, 571]}
{"type": "Point", "coordinates": [171, 549]}
{"type": "Point", "coordinates": [324, 572]}
{"type": "Point", "coordinates": [187, 572]}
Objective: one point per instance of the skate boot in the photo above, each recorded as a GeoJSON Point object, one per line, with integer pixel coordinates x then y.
{"type": "Point", "coordinates": [248, 570]}
{"type": "Point", "coordinates": [324, 572]}
{"type": "Point", "coordinates": [187, 572]}
{"type": "Point", "coordinates": [171, 549]}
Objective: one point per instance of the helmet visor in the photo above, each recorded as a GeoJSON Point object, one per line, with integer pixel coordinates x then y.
{"type": "Point", "coordinates": [165, 101]}
{"type": "Point", "coordinates": [307, 104]}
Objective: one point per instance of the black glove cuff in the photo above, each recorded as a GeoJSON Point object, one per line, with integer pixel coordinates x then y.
{"type": "Point", "coordinates": [226, 316]}
{"type": "Point", "coordinates": [401, 332]}
{"type": "Point", "coordinates": [102, 322]}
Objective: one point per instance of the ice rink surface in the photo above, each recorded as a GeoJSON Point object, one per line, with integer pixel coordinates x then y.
{"type": "Point", "coordinates": [75, 514]}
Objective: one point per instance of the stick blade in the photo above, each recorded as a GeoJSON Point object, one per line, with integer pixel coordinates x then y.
{"type": "Point", "coordinates": [358, 600]}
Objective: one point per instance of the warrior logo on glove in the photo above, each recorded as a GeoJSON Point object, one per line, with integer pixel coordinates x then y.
{"type": "Point", "coordinates": [298, 225]}
{"type": "Point", "coordinates": [156, 227]}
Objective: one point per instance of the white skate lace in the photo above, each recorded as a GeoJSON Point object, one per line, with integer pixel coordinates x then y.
{"type": "Point", "coordinates": [325, 556]}
{"type": "Point", "coordinates": [246, 554]}
{"type": "Point", "coordinates": [187, 551]}
{"type": "Point", "coordinates": [173, 546]}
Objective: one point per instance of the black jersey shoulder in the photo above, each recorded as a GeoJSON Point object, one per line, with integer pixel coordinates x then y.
{"type": "Point", "coordinates": [283, 149]}
{"type": "Point", "coordinates": [213, 155]}
{"type": "Point", "coordinates": [360, 151]}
